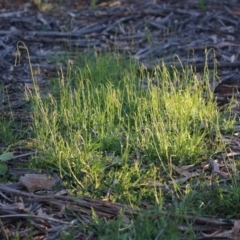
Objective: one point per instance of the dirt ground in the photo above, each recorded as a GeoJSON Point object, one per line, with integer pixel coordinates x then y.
{"type": "Point", "coordinates": [150, 31]}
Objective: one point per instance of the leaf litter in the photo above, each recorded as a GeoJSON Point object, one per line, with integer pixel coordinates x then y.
{"type": "Point", "coordinates": [159, 30]}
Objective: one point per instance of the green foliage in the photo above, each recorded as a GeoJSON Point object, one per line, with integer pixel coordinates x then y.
{"type": "Point", "coordinates": [9, 134]}
{"type": "Point", "coordinates": [202, 5]}
{"type": "Point", "coordinates": [146, 226]}
{"type": "Point", "coordinates": [220, 201]}
{"type": "Point", "coordinates": [102, 108]}
{"type": "Point", "coordinates": [109, 133]}
{"type": "Point", "coordinates": [4, 157]}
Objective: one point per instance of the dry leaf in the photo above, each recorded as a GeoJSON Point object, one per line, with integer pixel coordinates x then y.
{"type": "Point", "coordinates": [187, 175]}
{"type": "Point", "coordinates": [35, 182]}
{"type": "Point", "coordinates": [215, 167]}
{"type": "Point", "coordinates": [233, 234]}
{"type": "Point", "coordinates": [236, 230]}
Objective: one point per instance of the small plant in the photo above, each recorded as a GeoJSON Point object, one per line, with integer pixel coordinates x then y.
{"type": "Point", "coordinates": [93, 3]}
{"type": "Point", "coordinates": [101, 110]}
{"type": "Point", "coordinates": [4, 157]}
{"type": "Point", "coordinates": [202, 5]}
{"type": "Point", "coordinates": [46, 5]}
{"type": "Point", "coordinates": [109, 132]}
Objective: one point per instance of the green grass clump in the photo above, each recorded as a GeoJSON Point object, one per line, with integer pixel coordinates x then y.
{"type": "Point", "coordinates": [106, 129]}
{"type": "Point", "coordinates": [145, 226]}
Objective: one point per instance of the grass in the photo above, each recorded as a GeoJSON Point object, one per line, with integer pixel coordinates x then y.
{"type": "Point", "coordinates": [11, 133]}
{"type": "Point", "coordinates": [110, 133]}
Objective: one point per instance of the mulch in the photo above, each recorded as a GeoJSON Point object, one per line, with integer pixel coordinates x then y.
{"type": "Point", "coordinates": [150, 32]}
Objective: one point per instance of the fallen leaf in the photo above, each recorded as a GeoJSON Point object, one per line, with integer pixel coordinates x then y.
{"type": "Point", "coordinates": [35, 182]}
{"type": "Point", "coordinates": [233, 234]}
{"type": "Point", "coordinates": [236, 230]}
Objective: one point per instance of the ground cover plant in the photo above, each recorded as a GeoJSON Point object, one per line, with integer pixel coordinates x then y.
{"type": "Point", "coordinates": [136, 158]}
{"type": "Point", "coordinates": [114, 133]}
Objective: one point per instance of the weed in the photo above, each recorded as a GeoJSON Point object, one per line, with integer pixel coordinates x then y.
{"type": "Point", "coordinates": [100, 110]}
{"type": "Point", "coordinates": [202, 5]}
{"type": "Point", "coordinates": [108, 133]}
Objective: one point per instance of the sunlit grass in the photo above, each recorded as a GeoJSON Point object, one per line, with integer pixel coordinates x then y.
{"type": "Point", "coordinates": [109, 131]}
{"type": "Point", "coordinates": [102, 117]}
